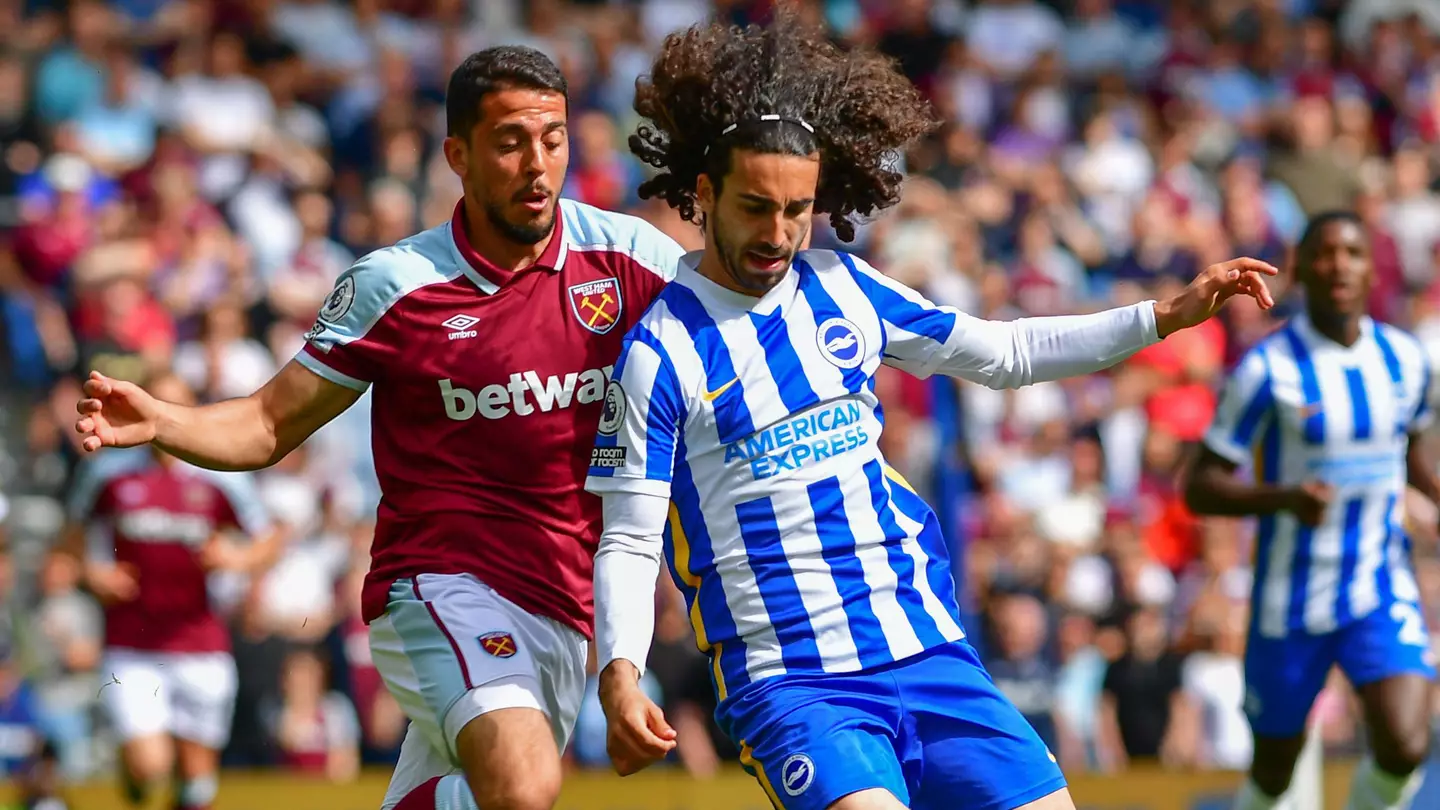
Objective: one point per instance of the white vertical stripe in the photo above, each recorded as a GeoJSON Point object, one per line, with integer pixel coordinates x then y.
{"type": "Point", "coordinates": [1365, 585]}
{"type": "Point", "coordinates": [946, 623]}
{"type": "Point", "coordinates": [1275, 591]}
{"type": "Point", "coordinates": [742, 593]}
{"type": "Point", "coordinates": [1323, 587]}
{"type": "Point", "coordinates": [879, 575]}
{"type": "Point", "coordinates": [762, 393]}
{"type": "Point", "coordinates": [853, 304]}
{"type": "Point", "coordinates": [826, 379]}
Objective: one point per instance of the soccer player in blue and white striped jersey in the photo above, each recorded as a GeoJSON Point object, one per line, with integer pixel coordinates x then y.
{"type": "Point", "coordinates": [1326, 412]}
{"type": "Point", "coordinates": [739, 441]}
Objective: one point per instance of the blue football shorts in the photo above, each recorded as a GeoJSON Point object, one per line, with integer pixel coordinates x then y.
{"type": "Point", "coordinates": [1284, 675]}
{"type": "Point", "coordinates": [934, 730]}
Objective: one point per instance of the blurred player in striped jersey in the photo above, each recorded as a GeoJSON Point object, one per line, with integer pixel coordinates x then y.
{"type": "Point", "coordinates": [1327, 412]}
{"type": "Point", "coordinates": [740, 440]}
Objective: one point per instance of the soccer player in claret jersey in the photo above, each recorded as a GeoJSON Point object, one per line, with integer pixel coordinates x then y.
{"type": "Point", "coordinates": [148, 529]}
{"type": "Point", "coordinates": [1328, 413]}
{"type": "Point", "coordinates": [740, 441]}
{"type": "Point", "coordinates": [487, 343]}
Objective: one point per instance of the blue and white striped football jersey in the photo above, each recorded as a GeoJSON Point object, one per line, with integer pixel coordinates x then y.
{"type": "Point", "coordinates": [797, 548]}
{"type": "Point", "coordinates": [1300, 407]}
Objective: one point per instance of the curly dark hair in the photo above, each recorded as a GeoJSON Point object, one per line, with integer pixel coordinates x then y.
{"type": "Point", "coordinates": [863, 112]}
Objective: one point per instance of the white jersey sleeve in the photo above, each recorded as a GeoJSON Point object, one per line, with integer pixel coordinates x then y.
{"type": "Point", "coordinates": [1246, 404]}
{"type": "Point", "coordinates": [1424, 415]}
{"type": "Point", "coordinates": [626, 567]}
{"type": "Point", "coordinates": [923, 338]}
{"type": "Point", "coordinates": [643, 414]}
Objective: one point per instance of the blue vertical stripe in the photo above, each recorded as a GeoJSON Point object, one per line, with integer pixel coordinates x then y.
{"type": "Point", "coordinates": [825, 308]}
{"type": "Point", "coordinates": [1310, 386]}
{"type": "Point", "coordinates": [931, 322]}
{"type": "Point", "coordinates": [1267, 472]}
{"type": "Point", "coordinates": [1359, 403]}
{"type": "Point", "coordinates": [719, 624]}
{"type": "Point", "coordinates": [784, 364]}
{"type": "Point", "coordinates": [1349, 555]}
{"type": "Point", "coordinates": [1255, 412]}
{"type": "Point", "coordinates": [900, 562]}
{"type": "Point", "coordinates": [1397, 374]}
{"type": "Point", "coordinates": [837, 543]}
{"type": "Point", "coordinates": [1422, 402]}
{"type": "Point", "coordinates": [1300, 574]}
{"type": "Point", "coordinates": [775, 581]}
{"type": "Point", "coordinates": [932, 542]}
{"type": "Point", "coordinates": [732, 416]}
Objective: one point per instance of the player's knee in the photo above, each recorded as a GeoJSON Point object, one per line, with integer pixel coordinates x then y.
{"type": "Point", "coordinates": [525, 794]}
{"type": "Point", "coordinates": [1401, 751]}
{"type": "Point", "coordinates": [510, 760]}
{"type": "Point", "coordinates": [1274, 764]}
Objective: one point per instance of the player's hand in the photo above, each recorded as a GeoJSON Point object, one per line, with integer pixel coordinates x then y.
{"type": "Point", "coordinates": [1210, 290]}
{"type": "Point", "coordinates": [636, 734]}
{"type": "Point", "coordinates": [115, 413]}
{"type": "Point", "coordinates": [114, 584]}
{"type": "Point", "coordinates": [219, 554]}
{"type": "Point", "coordinates": [1309, 501]}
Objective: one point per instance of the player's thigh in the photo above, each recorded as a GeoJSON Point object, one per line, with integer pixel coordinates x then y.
{"type": "Point", "coordinates": [1387, 657]}
{"type": "Point", "coordinates": [135, 694]}
{"type": "Point", "coordinates": [812, 742]}
{"type": "Point", "coordinates": [202, 698]}
{"type": "Point", "coordinates": [872, 799]}
{"type": "Point", "coordinates": [1282, 679]}
{"type": "Point", "coordinates": [453, 653]}
{"type": "Point", "coordinates": [975, 750]}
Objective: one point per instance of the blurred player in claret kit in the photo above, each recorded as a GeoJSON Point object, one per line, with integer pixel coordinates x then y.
{"type": "Point", "coordinates": [740, 441]}
{"type": "Point", "coordinates": [488, 341]}
{"type": "Point", "coordinates": [1328, 413]}
{"type": "Point", "coordinates": [148, 530]}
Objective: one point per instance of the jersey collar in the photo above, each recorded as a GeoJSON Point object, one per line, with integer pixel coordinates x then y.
{"type": "Point", "coordinates": [1315, 337]}
{"type": "Point", "coordinates": [490, 277]}
{"type": "Point", "coordinates": [774, 299]}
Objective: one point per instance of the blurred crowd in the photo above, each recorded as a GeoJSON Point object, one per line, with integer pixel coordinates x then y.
{"type": "Point", "coordinates": [182, 181]}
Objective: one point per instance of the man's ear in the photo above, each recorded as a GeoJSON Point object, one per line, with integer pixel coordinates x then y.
{"type": "Point", "coordinates": [705, 194]}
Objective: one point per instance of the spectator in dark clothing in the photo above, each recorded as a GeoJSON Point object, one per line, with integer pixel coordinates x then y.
{"type": "Point", "coordinates": [1143, 712]}
{"type": "Point", "coordinates": [1020, 667]}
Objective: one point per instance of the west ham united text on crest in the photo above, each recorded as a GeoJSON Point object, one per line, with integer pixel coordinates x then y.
{"type": "Point", "coordinates": [597, 304]}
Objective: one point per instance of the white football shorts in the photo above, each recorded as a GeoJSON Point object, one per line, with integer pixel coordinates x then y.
{"type": "Point", "coordinates": [449, 648]}
{"type": "Point", "coordinates": [188, 695]}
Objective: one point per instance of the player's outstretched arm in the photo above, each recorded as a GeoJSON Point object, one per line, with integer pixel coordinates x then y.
{"type": "Point", "coordinates": [925, 339]}
{"type": "Point", "coordinates": [247, 433]}
{"type": "Point", "coordinates": [626, 567]}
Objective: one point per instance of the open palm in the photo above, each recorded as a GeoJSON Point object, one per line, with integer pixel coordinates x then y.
{"type": "Point", "coordinates": [114, 413]}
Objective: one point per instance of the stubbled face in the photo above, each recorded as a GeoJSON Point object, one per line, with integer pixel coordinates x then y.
{"type": "Point", "coordinates": [1337, 271]}
{"type": "Point", "coordinates": [761, 217]}
{"type": "Point", "coordinates": [514, 161]}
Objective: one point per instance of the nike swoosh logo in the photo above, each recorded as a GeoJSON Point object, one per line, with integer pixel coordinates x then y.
{"type": "Point", "coordinates": [711, 396]}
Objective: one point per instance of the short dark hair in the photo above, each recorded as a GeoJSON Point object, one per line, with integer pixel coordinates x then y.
{"type": "Point", "coordinates": [714, 89]}
{"type": "Point", "coordinates": [484, 72]}
{"type": "Point", "coordinates": [1317, 225]}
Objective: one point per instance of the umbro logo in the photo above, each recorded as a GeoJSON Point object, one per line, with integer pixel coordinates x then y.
{"type": "Point", "coordinates": [459, 326]}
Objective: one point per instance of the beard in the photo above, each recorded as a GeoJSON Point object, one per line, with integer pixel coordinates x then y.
{"type": "Point", "coordinates": [528, 233]}
{"type": "Point", "coordinates": [732, 258]}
